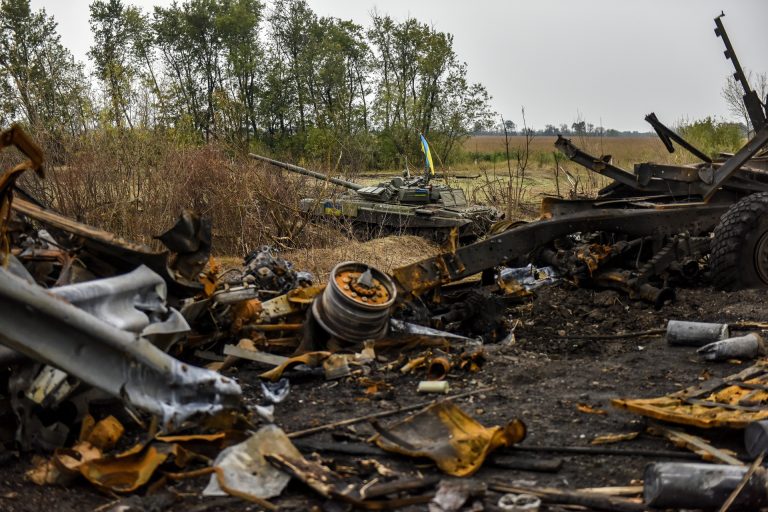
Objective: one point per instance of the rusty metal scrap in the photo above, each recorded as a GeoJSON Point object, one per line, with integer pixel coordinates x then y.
{"type": "Point", "coordinates": [734, 401]}
{"type": "Point", "coordinates": [271, 274]}
{"type": "Point", "coordinates": [355, 305]}
{"type": "Point", "coordinates": [112, 254]}
{"type": "Point", "coordinates": [444, 433]}
{"type": "Point", "coordinates": [15, 136]}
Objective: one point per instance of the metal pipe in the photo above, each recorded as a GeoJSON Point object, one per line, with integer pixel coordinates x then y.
{"type": "Point", "coordinates": [685, 485]}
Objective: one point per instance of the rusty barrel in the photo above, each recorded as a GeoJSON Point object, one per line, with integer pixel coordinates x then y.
{"type": "Point", "coordinates": [355, 305]}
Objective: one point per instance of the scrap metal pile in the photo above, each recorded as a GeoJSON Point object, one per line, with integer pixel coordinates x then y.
{"type": "Point", "coordinates": [104, 340]}
{"type": "Point", "coordinates": [120, 362]}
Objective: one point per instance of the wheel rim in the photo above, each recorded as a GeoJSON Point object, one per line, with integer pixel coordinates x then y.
{"type": "Point", "coordinates": [761, 257]}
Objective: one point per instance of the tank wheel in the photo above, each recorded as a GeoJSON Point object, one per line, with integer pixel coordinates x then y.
{"type": "Point", "coordinates": [739, 257]}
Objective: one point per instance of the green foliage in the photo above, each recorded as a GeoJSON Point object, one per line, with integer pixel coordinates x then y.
{"type": "Point", "coordinates": [713, 136]}
{"type": "Point", "coordinates": [291, 82]}
{"type": "Point", "coordinates": [39, 80]}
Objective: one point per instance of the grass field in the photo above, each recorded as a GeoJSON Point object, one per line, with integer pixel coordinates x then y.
{"type": "Point", "coordinates": [486, 178]}
{"type": "Point", "coordinates": [625, 150]}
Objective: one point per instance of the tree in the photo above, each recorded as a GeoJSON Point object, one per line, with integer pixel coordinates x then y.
{"type": "Point", "coordinates": [114, 62]}
{"type": "Point", "coordinates": [239, 23]}
{"type": "Point", "coordinates": [733, 94]}
{"type": "Point", "coordinates": [421, 87]}
{"type": "Point", "coordinates": [40, 81]}
{"type": "Point", "coordinates": [579, 127]}
{"type": "Point", "coordinates": [712, 136]}
{"type": "Point", "coordinates": [292, 22]}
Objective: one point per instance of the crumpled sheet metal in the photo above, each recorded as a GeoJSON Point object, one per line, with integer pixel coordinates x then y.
{"type": "Point", "coordinates": [401, 328]}
{"type": "Point", "coordinates": [244, 470]}
{"type": "Point", "coordinates": [190, 240]}
{"type": "Point", "coordinates": [123, 364]}
{"type": "Point", "coordinates": [125, 301]}
{"type": "Point", "coordinates": [127, 471]}
{"type": "Point", "coordinates": [64, 465]}
{"type": "Point", "coordinates": [521, 281]}
{"type": "Point", "coordinates": [734, 401]}
{"type": "Point", "coordinates": [132, 302]}
{"type": "Point", "coordinates": [449, 436]}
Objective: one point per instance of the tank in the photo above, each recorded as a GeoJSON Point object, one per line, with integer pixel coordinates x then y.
{"type": "Point", "coordinates": [400, 206]}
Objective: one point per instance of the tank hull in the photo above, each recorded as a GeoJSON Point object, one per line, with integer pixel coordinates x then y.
{"type": "Point", "coordinates": [432, 221]}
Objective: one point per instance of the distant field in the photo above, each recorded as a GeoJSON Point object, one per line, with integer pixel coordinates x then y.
{"type": "Point", "coordinates": [626, 151]}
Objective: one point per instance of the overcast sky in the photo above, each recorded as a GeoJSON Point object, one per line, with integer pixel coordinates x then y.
{"type": "Point", "coordinates": [609, 61]}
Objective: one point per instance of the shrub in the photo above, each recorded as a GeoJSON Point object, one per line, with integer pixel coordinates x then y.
{"type": "Point", "coordinates": [713, 136]}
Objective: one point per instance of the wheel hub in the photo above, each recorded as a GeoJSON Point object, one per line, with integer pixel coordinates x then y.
{"type": "Point", "coordinates": [761, 257]}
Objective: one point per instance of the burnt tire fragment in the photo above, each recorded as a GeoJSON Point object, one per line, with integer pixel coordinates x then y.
{"type": "Point", "coordinates": [739, 257]}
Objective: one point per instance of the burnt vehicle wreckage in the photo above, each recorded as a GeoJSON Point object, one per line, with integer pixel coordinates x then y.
{"type": "Point", "coordinates": [94, 328]}
{"type": "Point", "coordinates": [656, 221]}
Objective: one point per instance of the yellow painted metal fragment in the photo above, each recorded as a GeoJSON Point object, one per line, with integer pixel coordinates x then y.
{"type": "Point", "coordinates": [454, 440]}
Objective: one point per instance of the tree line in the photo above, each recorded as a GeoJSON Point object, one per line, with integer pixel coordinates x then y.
{"type": "Point", "coordinates": [274, 77]}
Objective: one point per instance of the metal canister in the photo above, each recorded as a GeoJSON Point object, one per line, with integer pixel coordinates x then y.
{"type": "Point", "coordinates": [355, 305]}
{"type": "Point", "coordinates": [756, 438]}
{"type": "Point", "coordinates": [695, 334]}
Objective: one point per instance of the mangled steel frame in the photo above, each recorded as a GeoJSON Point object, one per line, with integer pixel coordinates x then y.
{"type": "Point", "coordinates": [178, 271]}
{"type": "Point", "coordinates": [509, 245]}
{"type": "Point", "coordinates": [656, 201]}
{"type": "Point", "coordinates": [126, 365]}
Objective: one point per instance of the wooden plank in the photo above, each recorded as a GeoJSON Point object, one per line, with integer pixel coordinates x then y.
{"type": "Point", "coordinates": [695, 444]}
{"type": "Point", "coordinates": [626, 490]}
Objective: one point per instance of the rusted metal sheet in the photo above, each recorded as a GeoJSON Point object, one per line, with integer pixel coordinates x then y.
{"type": "Point", "coordinates": [733, 401]}
{"type": "Point", "coordinates": [444, 433]}
{"type": "Point", "coordinates": [15, 136]}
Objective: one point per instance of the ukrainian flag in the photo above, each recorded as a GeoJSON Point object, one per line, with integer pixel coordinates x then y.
{"type": "Point", "coordinates": [427, 155]}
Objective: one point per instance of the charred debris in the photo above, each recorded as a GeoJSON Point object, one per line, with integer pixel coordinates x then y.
{"type": "Point", "coordinates": [118, 359]}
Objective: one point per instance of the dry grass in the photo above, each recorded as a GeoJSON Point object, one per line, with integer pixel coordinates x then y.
{"type": "Point", "coordinates": [383, 253]}
{"type": "Point", "coordinates": [135, 185]}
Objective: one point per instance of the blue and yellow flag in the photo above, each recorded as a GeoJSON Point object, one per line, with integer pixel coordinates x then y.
{"type": "Point", "coordinates": [427, 155]}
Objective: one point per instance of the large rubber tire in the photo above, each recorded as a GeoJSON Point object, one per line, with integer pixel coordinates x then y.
{"type": "Point", "coordinates": [739, 257]}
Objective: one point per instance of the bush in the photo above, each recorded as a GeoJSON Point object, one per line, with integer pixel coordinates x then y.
{"type": "Point", "coordinates": [712, 136]}
{"type": "Point", "coordinates": [135, 184]}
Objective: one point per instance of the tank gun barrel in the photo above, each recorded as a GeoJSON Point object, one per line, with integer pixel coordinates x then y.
{"type": "Point", "coordinates": [306, 172]}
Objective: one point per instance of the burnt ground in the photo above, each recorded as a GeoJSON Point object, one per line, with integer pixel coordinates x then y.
{"type": "Point", "coordinates": [540, 379]}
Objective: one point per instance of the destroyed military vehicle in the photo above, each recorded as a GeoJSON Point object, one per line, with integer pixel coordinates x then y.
{"type": "Point", "coordinates": [645, 231]}
{"type": "Point", "coordinates": [400, 206]}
